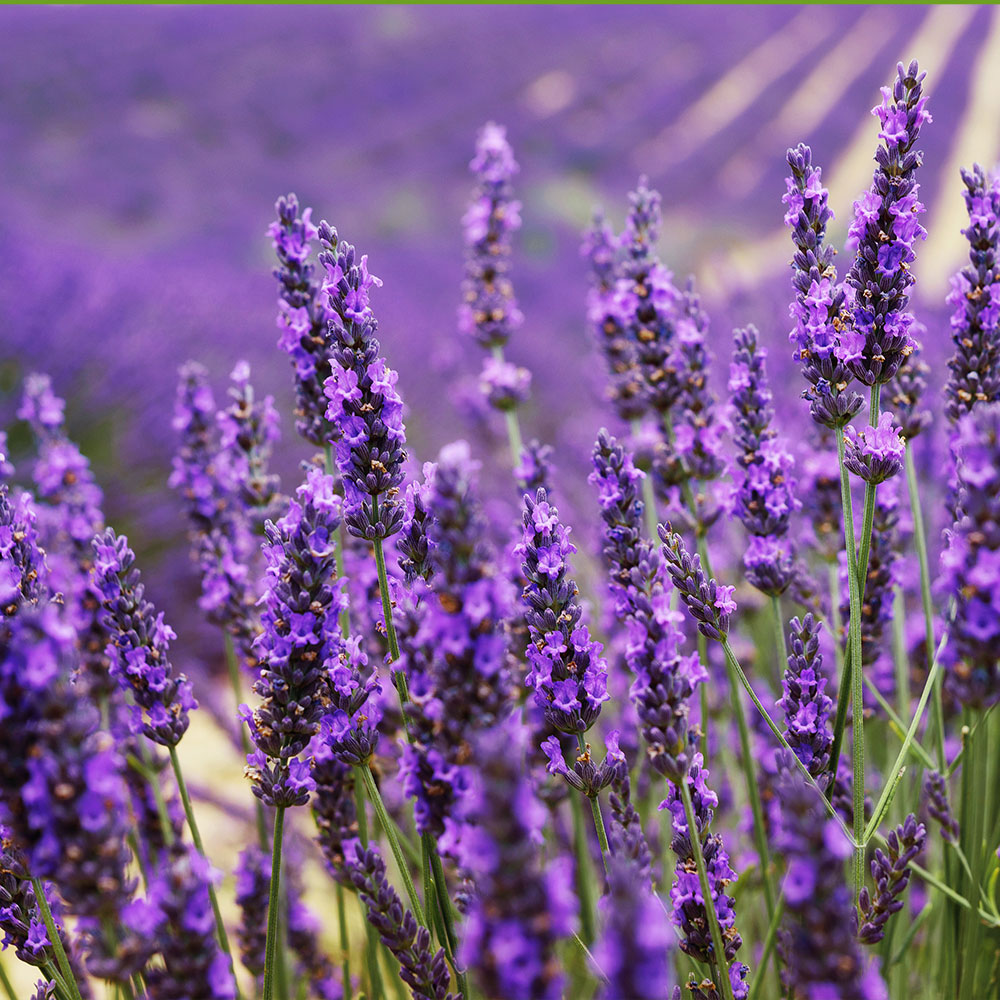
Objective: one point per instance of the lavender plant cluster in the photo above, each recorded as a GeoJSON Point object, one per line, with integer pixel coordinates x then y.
{"type": "Point", "coordinates": [527, 759]}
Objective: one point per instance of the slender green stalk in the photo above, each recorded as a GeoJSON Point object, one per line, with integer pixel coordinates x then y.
{"type": "Point", "coordinates": [584, 884]}
{"type": "Point", "coordinates": [450, 941]}
{"type": "Point", "coordinates": [724, 985]}
{"type": "Point", "coordinates": [57, 946]}
{"type": "Point", "coordinates": [374, 973]}
{"type": "Point", "coordinates": [901, 666]}
{"type": "Point", "coordinates": [511, 418]}
{"type": "Point", "coordinates": [920, 541]}
{"type": "Point", "coordinates": [345, 947]}
{"type": "Point", "coordinates": [8, 987]}
{"type": "Point", "coordinates": [595, 808]}
{"type": "Point", "coordinates": [769, 941]}
{"type": "Point", "coordinates": [220, 926]}
{"type": "Point", "coordinates": [397, 852]}
{"type": "Point", "coordinates": [272, 903]}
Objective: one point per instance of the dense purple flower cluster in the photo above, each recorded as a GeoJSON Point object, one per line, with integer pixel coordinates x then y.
{"type": "Point", "coordinates": [891, 873]}
{"type": "Point", "coordinates": [710, 604]}
{"type": "Point", "coordinates": [333, 809]}
{"type": "Point", "coordinates": [568, 673]}
{"type": "Point", "coordinates": [139, 645]}
{"type": "Point", "coordinates": [764, 488]}
{"type": "Point", "coordinates": [975, 298]}
{"type": "Point", "coordinates": [365, 409]}
{"type": "Point", "coordinates": [970, 563]}
{"type": "Point", "coordinates": [806, 704]}
{"type": "Point", "coordinates": [875, 454]}
{"type": "Point", "coordinates": [24, 572]}
{"type": "Point", "coordinates": [885, 227]}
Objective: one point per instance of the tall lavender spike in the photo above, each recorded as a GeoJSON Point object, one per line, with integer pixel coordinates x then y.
{"type": "Point", "coordinates": [365, 409]}
{"type": "Point", "coordinates": [689, 912]}
{"type": "Point", "coordinates": [805, 702]}
{"type": "Point", "coordinates": [601, 249]}
{"type": "Point", "coordinates": [819, 308]}
{"type": "Point", "coordinates": [333, 809]}
{"type": "Point", "coordinates": [424, 971]}
{"type": "Point", "coordinates": [634, 948]}
{"type": "Point", "coordinates": [299, 643]}
{"type": "Point", "coordinates": [975, 298]}
{"type": "Point", "coordinates": [20, 919]}
{"type": "Point", "coordinates": [882, 235]}
{"type": "Point", "coordinates": [876, 453]}
{"type": "Point", "coordinates": [764, 488]}
{"type": "Point", "coordinates": [23, 568]}
{"type": "Point", "coordinates": [938, 807]}
{"type": "Point", "coordinates": [709, 603]}
{"type": "Point", "coordinates": [906, 392]}
{"type": "Point", "coordinates": [625, 831]}
{"type": "Point", "coordinates": [139, 646]}
{"type": "Point", "coordinates": [970, 564]}
{"type": "Point", "coordinates": [568, 673]}
{"type": "Point", "coordinates": [303, 317]}
{"type": "Point", "coordinates": [819, 952]}
{"type": "Point", "coordinates": [891, 873]}
{"type": "Point", "coordinates": [519, 910]}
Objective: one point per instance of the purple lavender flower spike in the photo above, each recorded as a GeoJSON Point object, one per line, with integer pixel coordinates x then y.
{"type": "Point", "coordinates": [519, 910]}
{"type": "Point", "coordinates": [970, 564]}
{"type": "Point", "coordinates": [906, 392]}
{"type": "Point", "coordinates": [586, 775]}
{"type": "Point", "coordinates": [139, 646]}
{"type": "Point", "coordinates": [876, 453]}
{"type": "Point", "coordinates": [23, 567]}
{"type": "Point", "coordinates": [820, 955]}
{"type": "Point", "coordinates": [882, 235]}
{"type": "Point", "coordinates": [299, 643]}
{"type": "Point", "coordinates": [20, 919]}
{"type": "Point", "coordinates": [625, 833]}
{"type": "Point", "coordinates": [253, 874]}
{"type": "Point", "coordinates": [709, 603]}
{"type": "Point", "coordinates": [938, 806]}
{"type": "Point", "coordinates": [601, 249]}
{"type": "Point", "coordinates": [365, 409]}
{"type": "Point", "coordinates": [333, 809]}
{"type": "Point", "coordinates": [819, 308]}
{"type": "Point", "coordinates": [505, 385]}
{"type": "Point", "coordinates": [568, 673]}
{"type": "Point", "coordinates": [424, 971]}
{"type": "Point", "coordinates": [350, 727]}
{"type": "Point", "coordinates": [303, 318]}
{"type": "Point", "coordinates": [685, 894]}
{"type": "Point", "coordinates": [891, 873]}
{"type": "Point", "coordinates": [489, 312]}
{"type": "Point", "coordinates": [805, 702]}
{"type": "Point", "coordinates": [534, 471]}
{"type": "Point", "coordinates": [178, 917]}
{"type": "Point", "coordinates": [975, 298]}
{"type": "Point", "coordinates": [634, 949]}
{"type": "Point", "coordinates": [764, 488]}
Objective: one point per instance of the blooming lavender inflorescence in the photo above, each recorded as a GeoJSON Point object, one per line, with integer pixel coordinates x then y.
{"type": "Point", "coordinates": [882, 235]}
{"type": "Point", "coordinates": [424, 971]}
{"type": "Point", "coordinates": [764, 489]}
{"type": "Point", "coordinates": [568, 673]}
{"type": "Point", "coordinates": [970, 564]}
{"type": "Point", "coordinates": [139, 645]}
{"type": "Point", "coordinates": [302, 317]}
{"type": "Point", "coordinates": [20, 919]}
{"type": "Point", "coordinates": [299, 643]}
{"type": "Point", "coordinates": [819, 309]}
{"type": "Point", "coordinates": [975, 298]}
{"type": "Point", "coordinates": [876, 453]}
{"type": "Point", "coordinates": [805, 702]}
{"type": "Point", "coordinates": [23, 568]}
{"type": "Point", "coordinates": [365, 409]}
{"type": "Point", "coordinates": [489, 312]}
{"type": "Point", "coordinates": [709, 603]}
{"type": "Point", "coordinates": [891, 873]}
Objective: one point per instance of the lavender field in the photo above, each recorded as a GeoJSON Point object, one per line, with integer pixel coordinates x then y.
{"type": "Point", "coordinates": [601, 444]}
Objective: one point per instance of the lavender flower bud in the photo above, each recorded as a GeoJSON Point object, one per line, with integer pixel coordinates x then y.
{"type": "Point", "coordinates": [350, 729]}
{"type": "Point", "coordinates": [568, 674]}
{"type": "Point", "coordinates": [709, 603]}
{"type": "Point", "coordinates": [805, 702]}
{"type": "Point", "coordinates": [975, 298]}
{"type": "Point", "coordinates": [882, 235]}
{"type": "Point", "coordinates": [891, 873]}
{"type": "Point", "coordinates": [876, 454]}
{"type": "Point", "coordinates": [586, 776]}
{"type": "Point", "coordinates": [20, 919]}
{"type": "Point", "coordinates": [23, 569]}
{"type": "Point", "coordinates": [625, 832]}
{"type": "Point", "coordinates": [906, 393]}
{"type": "Point", "coordinates": [365, 408]}
{"type": "Point", "coordinates": [504, 385]}
{"type": "Point", "coordinates": [938, 806]}
{"type": "Point", "coordinates": [139, 646]}
{"type": "Point", "coordinates": [534, 471]}
{"type": "Point", "coordinates": [333, 809]}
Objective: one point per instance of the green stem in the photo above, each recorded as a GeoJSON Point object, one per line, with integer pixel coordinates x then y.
{"type": "Point", "coordinates": [345, 947]}
{"type": "Point", "coordinates": [511, 418]}
{"type": "Point", "coordinates": [920, 541]}
{"type": "Point", "coordinates": [6, 983]}
{"type": "Point", "coordinates": [220, 926]}
{"type": "Point", "coordinates": [57, 946]}
{"type": "Point", "coordinates": [769, 942]}
{"type": "Point", "coordinates": [584, 884]}
{"type": "Point", "coordinates": [444, 904]}
{"type": "Point", "coordinates": [397, 852]}
{"type": "Point", "coordinates": [971, 840]}
{"type": "Point", "coordinates": [374, 973]}
{"type": "Point", "coordinates": [595, 808]}
{"type": "Point", "coordinates": [272, 903]}
{"type": "Point", "coordinates": [694, 837]}
{"type": "Point", "coordinates": [781, 645]}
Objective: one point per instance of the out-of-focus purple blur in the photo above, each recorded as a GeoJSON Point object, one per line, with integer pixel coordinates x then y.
{"type": "Point", "coordinates": [143, 150]}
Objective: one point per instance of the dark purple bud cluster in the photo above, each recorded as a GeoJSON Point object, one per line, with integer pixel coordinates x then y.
{"type": "Point", "coordinates": [139, 645]}
{"type": "Point", "coordinates": [975, 298]}
{"type": "Point", "coordinates": [299, 643]}
{"type": "Point", "coordinates": [891, 873]}
{"type": "Point", "coordinates": [586, 775]}
{"type": "Point", "coordinates": [689, 913]}
{"type": "Point", "coordinates": [709, 603]}
{"type": "Point", "coordinates": [534, 471]}
{"type": "Point", "coordinates": [333, 809]}
{"type": "Point", "coordinates": [906, 391]}
{"type": "Point", "coordinates": [804, 701]}
{"type": "Point", "coordinates": [350, 727]}
{"type": "Point", "coordinates": [568, 673]}
{"type": "Point", "coordinates": [23, 569]}
{"type": "Point", "coordinates": [938, 806]}
{"type": "Point", "coordinates": [365, 408]}
{"type": "Point", "coordinates": [819, 309]}
{"type": "Point", "coordinates": [625, 833]}
{"type": "Point", "coordinates": [303, 318]}
{"type": "Point", "coordinates": [875, 454]}
{"type": "Point", "coordinates": [764, 488]}
{"type": "Point", "coordinates": [424, 971]}
{"type": "Point", "coordinates": [20, 920]}
{"type": "Point", "coordinates": [970, 564]}
{"type": "Point", "coordinates": [886, 225]}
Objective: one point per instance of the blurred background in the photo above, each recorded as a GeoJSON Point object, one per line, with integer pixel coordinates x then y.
{"type": "Point", "coordinates": [143, 149]}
